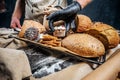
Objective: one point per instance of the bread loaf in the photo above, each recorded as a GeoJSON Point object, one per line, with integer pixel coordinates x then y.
{"type": "Point", "coordinates": [105, 33]}
{"type": "Point", "coordinates": [30, 23]}
{"type": "Point", "coordinates": [84, 45]}
{"type": "Point", "coordinates": [83, 23]}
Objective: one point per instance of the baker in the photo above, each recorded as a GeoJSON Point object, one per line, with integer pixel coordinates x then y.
{"type": "Point", "coordinates": [36, 9]}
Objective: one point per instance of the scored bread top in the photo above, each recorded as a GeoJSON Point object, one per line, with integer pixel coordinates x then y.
{"type": "Point", "coordinates": [30, 23]}
{"type": "Point", "coordinates": [105, 33]}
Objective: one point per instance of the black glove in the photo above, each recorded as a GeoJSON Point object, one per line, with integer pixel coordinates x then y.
{"type": "Point", "coordinates": [67, 15]}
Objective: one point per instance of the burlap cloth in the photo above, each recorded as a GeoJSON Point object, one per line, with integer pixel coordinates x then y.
{"type": "Point", "coordinates": [14, 64]}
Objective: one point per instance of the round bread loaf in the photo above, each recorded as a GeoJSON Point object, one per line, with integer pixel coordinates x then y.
{"type": "Point", "coordinates": [83, 23]}
{"type": "Point", "coordinates": [30, 23]}
{"type": "Point", "coordinates": [105, 33]}
{"type": "Point", "coordinates": [84, 45]}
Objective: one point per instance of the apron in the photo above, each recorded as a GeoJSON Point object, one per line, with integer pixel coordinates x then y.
{"type": "Point", "coordinates": [34, 8]}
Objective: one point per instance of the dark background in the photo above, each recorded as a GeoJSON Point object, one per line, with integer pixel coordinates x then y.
{"type": "Point", "coordinates": [106, 11]}
{"type": "Point", "coordinates": [5, 18]}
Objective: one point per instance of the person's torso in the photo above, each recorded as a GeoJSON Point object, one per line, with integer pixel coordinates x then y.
{"type": "Point", "coordinates": [35, 8]}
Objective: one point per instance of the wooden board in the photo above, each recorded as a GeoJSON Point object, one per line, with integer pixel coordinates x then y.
{"type": "Point", "coordinates": [62, 50]}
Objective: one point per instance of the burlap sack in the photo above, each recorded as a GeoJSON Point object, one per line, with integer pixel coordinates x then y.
{"type": "Point", "coordinates": [6, 42]}
{"type": "Point", "coordinates": [14, 64]}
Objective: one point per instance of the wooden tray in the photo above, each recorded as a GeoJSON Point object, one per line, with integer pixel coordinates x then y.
{"type": "Point", "coordinates": [96, 60]}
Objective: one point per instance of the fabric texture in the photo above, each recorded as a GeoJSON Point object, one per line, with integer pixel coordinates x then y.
{"type": "Point", "coordinates": [6, 42]}
{"type": "Point", "coordinates": [35, 8]}
{"type": "Point", "coordinates": [14, 64]}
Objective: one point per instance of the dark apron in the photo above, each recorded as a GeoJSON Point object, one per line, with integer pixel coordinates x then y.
{"type": "Point", "coordinates": [69, 1]}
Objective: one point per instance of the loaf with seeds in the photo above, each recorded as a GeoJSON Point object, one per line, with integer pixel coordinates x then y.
{"type": "Point", "coordinates": [84, 45]}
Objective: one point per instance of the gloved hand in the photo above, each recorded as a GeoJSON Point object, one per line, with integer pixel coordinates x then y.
{"type": "Point", "coordinates": [67, 15]}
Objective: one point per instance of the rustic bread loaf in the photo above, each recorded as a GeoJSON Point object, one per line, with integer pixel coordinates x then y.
{"type": "Point", "coordinates": [30, 23]}
{"type": "Point", "coordinates": [84, 45]}
{"type": "Point", "coordinates": [105, 33]}
{"type": "Point", "coordinates": [83, 23]}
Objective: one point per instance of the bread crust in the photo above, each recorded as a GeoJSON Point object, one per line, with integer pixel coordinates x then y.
{"type": "Point", "coordinates": [50, 40]}
{"type": "Point", "coordinates": [105, 33]}
{"type": "Point", "coordinates": [83, 23]}
{"type": "Point", "coordinates": [84, 45]}
{"type": "Point", "coordinates": [30, 23]}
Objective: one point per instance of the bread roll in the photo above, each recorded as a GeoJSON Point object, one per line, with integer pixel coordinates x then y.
{"type": "Point", "coordinates": [105, 33]}
{"type": "Point", "coordinates": [84, 45]}
{"type": "Point", "coordinates": [83, 23]}
{"type": "Point", "coordinates": [30, 23]}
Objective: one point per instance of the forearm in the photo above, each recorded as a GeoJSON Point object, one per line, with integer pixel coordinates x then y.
{"type": "Point", "coordinates": [83, 3]}
{"type": "Point", "coordinates": [19, 8]}
{"type": "Point", "coordinates": [107, 71]}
